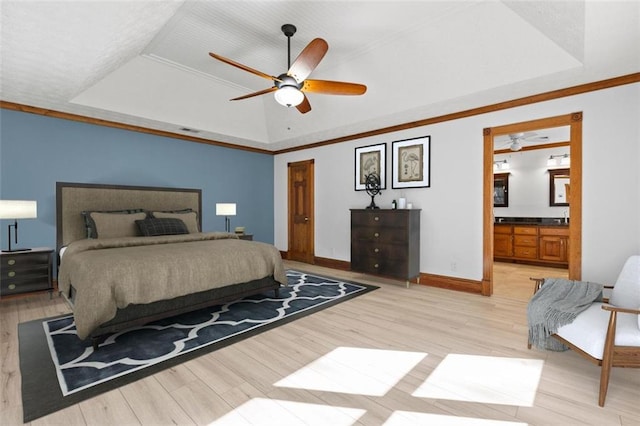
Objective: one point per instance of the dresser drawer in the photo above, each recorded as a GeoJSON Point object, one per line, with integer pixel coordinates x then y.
{"type": "Point", "coordinates": [37, 270]}
{"type": "Point", "coordinates": [525, 252]}
{"type": "Point", "coordinates": [24, 261]}
{"type": "Point", "coordinates": [389, 251]}
{"type": "Point", "coordinates": [25, 285]}
{"type": "Point", "coordinates": [378, 235]}
{"type": "Point", "coordinates": [525, 240]}
{"type": "Point", "coordinates": [379, 266]}
{"type": "Point", "coordinates": [384, 218]}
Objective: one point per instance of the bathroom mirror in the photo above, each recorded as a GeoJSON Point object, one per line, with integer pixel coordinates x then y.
{"type": "Point", "coordinates": [559, 187]}
{"type": "Point", "coordinates": [501, 190]}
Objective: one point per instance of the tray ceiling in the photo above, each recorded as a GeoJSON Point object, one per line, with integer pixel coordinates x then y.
{"type": "Point", "coordinates": [146, 63]}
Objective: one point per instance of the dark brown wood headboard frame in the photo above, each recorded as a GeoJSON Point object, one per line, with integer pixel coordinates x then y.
{"type": "Point", "coordinates": [74, 198]}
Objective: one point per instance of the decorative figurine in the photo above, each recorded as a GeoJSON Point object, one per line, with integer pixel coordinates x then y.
{"type": "Point", "coordinates": [372, 186]}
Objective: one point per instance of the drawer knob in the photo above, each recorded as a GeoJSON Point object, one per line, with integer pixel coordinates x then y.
{"type": "Point", "coordinates": [376, 218]}
{"type": "Point", "coordinates": [11, 261]}
{"type": "Point", "coordinates": [376, 250]}
{"type": "Point", "coordinates": [12, 274]}
{"type": "Point", "coordinates": [376, 234]}
{"type": "Point", "coordinates": [12, 286]}
{"type": "Point", "coordinates": [376, 266]}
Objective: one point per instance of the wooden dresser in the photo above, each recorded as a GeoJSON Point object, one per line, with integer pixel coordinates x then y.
{"type": "Point", "coordinates": [386, 242]}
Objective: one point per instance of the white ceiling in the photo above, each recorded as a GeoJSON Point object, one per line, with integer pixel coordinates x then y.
{"type": "Point", "coordinates": [146, 63]}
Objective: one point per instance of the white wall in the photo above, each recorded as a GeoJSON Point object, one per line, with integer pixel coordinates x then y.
{"type": "Point", "coordinates": [529, 184]}
{"type": "Point", "coordinates": [451, 240]}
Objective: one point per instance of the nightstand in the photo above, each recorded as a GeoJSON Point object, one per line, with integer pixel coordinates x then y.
{"type": "Point", "coordinates": [26, 271]}
{"type": "Point", "coordinates": [248, 237]}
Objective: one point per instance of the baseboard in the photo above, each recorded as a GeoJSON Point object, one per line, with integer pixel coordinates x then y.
{"type": "Point", "coordinates": [431, 280]}
{"type": "Point", "coordinates": [342, 265]}
{"type": "Point", "coordinates": [451, 283]}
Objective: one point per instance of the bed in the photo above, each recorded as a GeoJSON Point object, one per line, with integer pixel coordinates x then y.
{"type": "Point", "coordinates": [115, 279]}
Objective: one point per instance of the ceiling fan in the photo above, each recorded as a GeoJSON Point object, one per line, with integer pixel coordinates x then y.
{"type": "Point", "coordinates": [517, 139]}
{"type": "Point", "coordinates": [290, 87]}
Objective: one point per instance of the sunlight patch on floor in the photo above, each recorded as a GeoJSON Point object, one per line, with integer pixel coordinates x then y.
{"type": "Point", "coordinates": [262, 411]}
{"type": "Point", "coordinates": [408, 418]}
{"type": "Point", "coordinates": [359, 371]}
{"type": "Point", "coordinates": [485, 379]}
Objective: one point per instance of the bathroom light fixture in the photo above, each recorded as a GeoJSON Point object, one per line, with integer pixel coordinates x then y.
{"type": "Point", "coordinates": [226, 210]}
{"type": "Point", "coordinates": [500, 165]}
{"type": "Point", "coordinates": [559, 160]}
{"type": "Point", "coordinates": [17, 209]}
{"type": "Point", "coordinates": [289, 96]}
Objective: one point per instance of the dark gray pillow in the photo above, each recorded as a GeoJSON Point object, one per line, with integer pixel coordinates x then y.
{"type": "Point", "coordinates": [152, 227]}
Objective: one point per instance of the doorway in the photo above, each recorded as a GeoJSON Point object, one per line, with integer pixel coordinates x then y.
{"type": "Point", "coordinates": [300, 212]}
{"type": "Point", "coordinates": [574, 121]}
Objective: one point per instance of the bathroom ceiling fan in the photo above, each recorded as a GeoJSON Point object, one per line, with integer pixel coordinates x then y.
{"type": "Point", "coordinates": [290, 87]}
{"type": "Point", "coordinates": [516, 140]}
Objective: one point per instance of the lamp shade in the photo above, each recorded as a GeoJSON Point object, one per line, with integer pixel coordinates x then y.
{"type": "Point", "coordinates": [18, 209]}
{"type": "Point", "coordinates": [225, 209]}
{"type": "Point", "coordinates": [289, 96]}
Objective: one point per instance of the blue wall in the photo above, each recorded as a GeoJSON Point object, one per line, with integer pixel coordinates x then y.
{"type": "Point", "coordinates": [38, 151]}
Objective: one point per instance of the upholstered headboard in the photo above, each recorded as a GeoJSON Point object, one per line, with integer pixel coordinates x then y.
{"type": "Point", "coordinates": [74, 198]}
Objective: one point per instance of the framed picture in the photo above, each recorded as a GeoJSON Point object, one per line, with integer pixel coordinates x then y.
{"type": "Point", "coordinates": [411, 163]}
{"type": "Point", "coordinates": [371, 159]}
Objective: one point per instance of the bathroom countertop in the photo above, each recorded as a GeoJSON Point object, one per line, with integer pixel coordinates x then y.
{"type": "Point", "coordinates": [541, 221]}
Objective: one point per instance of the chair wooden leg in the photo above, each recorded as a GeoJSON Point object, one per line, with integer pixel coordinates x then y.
{"type": "Point", "coordinates": [607, 358]}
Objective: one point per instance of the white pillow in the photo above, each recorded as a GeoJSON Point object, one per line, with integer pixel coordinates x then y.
{"type": "Point", "coordinates": [626, 290]}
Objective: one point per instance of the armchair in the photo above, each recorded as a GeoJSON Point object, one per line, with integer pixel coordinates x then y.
{"type": "Point", "coordinates": [608, 334]}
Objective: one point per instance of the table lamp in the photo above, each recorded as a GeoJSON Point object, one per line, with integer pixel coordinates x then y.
{"type": "Point", "coordinates": [226, 210]}
{"type": "Point", "coordinates": [17, 209]}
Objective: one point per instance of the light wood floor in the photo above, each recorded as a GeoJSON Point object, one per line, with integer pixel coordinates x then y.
{"type": "Point", "coordinates": [511, 280]}
{"type": "Point", "coordinates": [431, 321]}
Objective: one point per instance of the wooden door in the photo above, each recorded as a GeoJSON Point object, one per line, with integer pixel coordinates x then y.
{"type": "Point", "coordinates": [301, 208]}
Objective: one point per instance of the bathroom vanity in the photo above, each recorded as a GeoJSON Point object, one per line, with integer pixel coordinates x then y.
{"type": "Point", "coordinates": [535, 241]}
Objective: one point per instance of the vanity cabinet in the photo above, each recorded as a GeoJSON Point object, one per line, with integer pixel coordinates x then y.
{"type": "Point", "coordinates": [386, 242]}
{"type": "Point", "coordinates": [554, 244]}
{"type": "Point", "coordinates": [525, 242]}
{"type": "Point", "coordinates": [502, 241]}
{"type": "Point", "coordinates": [532, 244]}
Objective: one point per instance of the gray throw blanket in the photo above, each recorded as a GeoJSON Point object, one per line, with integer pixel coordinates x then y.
{"type": "Point", "coordinates": [557, 303]}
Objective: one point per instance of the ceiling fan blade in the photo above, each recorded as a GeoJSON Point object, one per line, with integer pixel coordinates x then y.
{"type": "Point", "coordinates": [251, 95]}
{"type": "Point", "coordinates": [308, 59]}
{"type": "Point", "coordinates": [304, 106]}
{"type": "Point", "coordinates": [328, 87]}
{"type": "Point", "coordinates": [243, 67]}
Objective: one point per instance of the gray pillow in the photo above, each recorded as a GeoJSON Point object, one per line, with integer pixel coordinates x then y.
{"type": "Point", "coordinates": [113, 224]}
{"type": "Point", "coordinates": [188, 216]}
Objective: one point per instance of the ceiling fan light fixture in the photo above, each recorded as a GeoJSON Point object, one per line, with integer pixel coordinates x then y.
{"type": "Point", "coordinates": [289, 96]}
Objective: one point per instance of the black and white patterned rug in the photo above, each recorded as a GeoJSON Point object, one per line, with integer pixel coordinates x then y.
{"type": "Point", "coordinates": [53, 360]}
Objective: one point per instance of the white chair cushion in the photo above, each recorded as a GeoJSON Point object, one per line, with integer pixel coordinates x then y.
{"type": "Point", "coordinates": [589, 330]}
{"type": "Point", "coordinates": [626, 290]}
